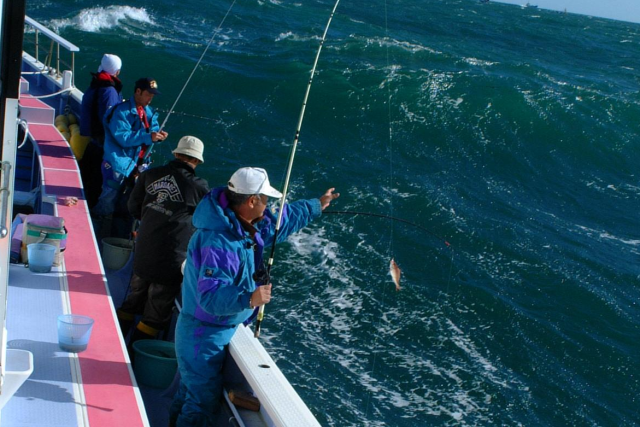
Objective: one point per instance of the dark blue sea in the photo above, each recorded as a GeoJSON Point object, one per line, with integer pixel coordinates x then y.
{"type": "Point", "coordinates": [510, 133]}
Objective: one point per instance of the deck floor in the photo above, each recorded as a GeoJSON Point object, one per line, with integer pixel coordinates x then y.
{"type": "Point", "coordinates": [95, 387]}
{"type": "Point", "coordinates": [49, 394]}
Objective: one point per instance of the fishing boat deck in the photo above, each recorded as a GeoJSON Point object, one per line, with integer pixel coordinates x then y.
{"type": "Point", "coordinates": [95, 387]}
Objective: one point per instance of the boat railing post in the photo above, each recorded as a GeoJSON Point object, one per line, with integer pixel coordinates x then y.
{"type": "Point", "coordinates": [36, 44]}
{"type": "Point", "coordinates": [57, 60]}
{"type": "Point", "coordinates": [4, 199]}
{"type": "Point", "coordinates": [47, 60]}
{"type": "Point", "coordinates": [73, 69]}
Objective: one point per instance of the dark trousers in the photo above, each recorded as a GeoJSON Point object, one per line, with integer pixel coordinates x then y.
{"type": "Point", "coordinates": [151, 300]}
{"type": "Point", "coordinates": [90, 171]}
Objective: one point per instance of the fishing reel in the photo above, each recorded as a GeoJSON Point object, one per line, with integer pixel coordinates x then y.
{"type": "Point", "coordinates": [262, 276]}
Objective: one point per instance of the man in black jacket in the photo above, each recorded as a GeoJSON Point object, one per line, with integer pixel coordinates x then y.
{"type": "Point", "coordinates": [164, 200]}
{"type": "Point", "coordinates": [104, 92]}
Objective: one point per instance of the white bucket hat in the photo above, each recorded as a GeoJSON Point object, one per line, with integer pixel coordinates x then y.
{"type": "Point", "coordinates": [252, 181]}
{"type": "Point", "coordinates": [190, 146]}
{"type": "Point", "coordinates": [110, 63]}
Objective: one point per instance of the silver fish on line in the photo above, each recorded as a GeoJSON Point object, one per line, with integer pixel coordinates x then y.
{"type": "Point", "coordinates": [395, 272]}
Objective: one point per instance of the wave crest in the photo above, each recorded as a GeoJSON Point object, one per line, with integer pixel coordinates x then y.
{"type": "Point", "coordinates": [97, 19]}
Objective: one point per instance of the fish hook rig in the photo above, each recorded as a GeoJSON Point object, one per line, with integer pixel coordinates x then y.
{"type": "Point", "coordinates": [292, 153]}
{"type": "Point", "coordinates": [147, 154]}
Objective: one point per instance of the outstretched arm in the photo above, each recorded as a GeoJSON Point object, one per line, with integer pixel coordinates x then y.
{"type": "Point", "coordinates": [300, 213]}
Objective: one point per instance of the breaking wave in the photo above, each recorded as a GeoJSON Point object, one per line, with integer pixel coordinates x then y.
{"type": "Point", "coordinates": [98, 19]}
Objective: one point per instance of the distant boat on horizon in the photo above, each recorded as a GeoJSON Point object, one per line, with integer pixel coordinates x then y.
{"type": "Point", "coordinates": [531, 5]}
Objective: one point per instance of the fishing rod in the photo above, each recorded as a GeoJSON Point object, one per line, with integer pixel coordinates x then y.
{"type": "Point", "coordinates": [215, 33]}
{"type": "Point", "coordinates": [413, 224]}
{"type": "Point", "coordinates": [285, 190]}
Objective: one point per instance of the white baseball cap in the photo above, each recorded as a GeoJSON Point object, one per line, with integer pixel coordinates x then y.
{"type": "Point", "coordinates": [110, 63]}
{"type": "Point", "coordinates": [190, 146]}
{"type": "Point", "coordinates": [252, 181]}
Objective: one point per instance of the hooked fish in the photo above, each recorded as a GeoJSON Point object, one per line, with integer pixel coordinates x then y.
{"type": "Point", "coordinates": [395, 272]}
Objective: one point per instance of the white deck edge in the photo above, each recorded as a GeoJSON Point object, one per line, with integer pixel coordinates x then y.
{"type": "Point", "coordinates": [234, 410]}
{"type": "Point", "coordinates": [279, 402]}
{"type": "Point", "coordinates": [79, 398]}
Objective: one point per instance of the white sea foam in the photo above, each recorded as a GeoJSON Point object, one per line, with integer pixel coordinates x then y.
{"type": "Point", "coordinates": [479, 62]}
{"type": "Point", "coordinates": [468, 347]}
{"type": "Point", "coordinates": [295, 37]}
{"type": "Point", "coordinates": [454, 102]}
{"type": "Point", "coordinates": [313, 248]}
{"type": "Point", "coordinates": [361, 350]}
{"type": "Point", "coordinates": [97, 19]}
{"type": "Point", "coordinates": [631, 242]}
{"type": "Point", "coordinates": [283, 36]}
{"type": "Point", "coordinates": [393, 192]}
{"type": "Point", "coordinates": [435, 87]}
{"type": "Point", "coordinates": [404, 45]}
{"type": "Point", "coordinates": [361, 344]}
{"type": "Point", "coordinates": [412, 117]}
{"type": "Point", "coordinates": [606, 235]}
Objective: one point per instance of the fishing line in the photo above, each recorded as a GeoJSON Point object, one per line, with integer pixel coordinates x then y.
{"type": "Point", "coordinates": [390, 144]}
{"type": "Point", "coordinates": [195, 116]}
{"type": "Point", "coordinates": [391, 212]}
{"type": "Point", "coordinates": [290, 166]}
{"type": "Point", "coordinates": [390, 216]}
{"type": "Point", "coordinates": [215, 33]}
{"type": "Point", "coordinates": [204, 52]}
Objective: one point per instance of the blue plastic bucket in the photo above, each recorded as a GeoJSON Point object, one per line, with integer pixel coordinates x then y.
{"type": "Point", "coordinates": [40, 257]}
{"type": "Point", "coordinates": [155, 362]}
{"type": "Point", "coordinates": [74, 332]}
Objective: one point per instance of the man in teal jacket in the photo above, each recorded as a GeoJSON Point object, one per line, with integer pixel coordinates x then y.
{"type": "Point", "coordinates": [222, 287]}
{"type": "Point", "coordinates": [129, 126]}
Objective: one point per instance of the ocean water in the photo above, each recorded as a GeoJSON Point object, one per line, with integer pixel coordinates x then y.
{"type": "Point", "coordinates": [510, 133]}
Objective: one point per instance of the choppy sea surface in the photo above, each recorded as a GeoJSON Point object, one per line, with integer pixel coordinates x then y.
{"type": "Point", "coordinates": [511, 133]}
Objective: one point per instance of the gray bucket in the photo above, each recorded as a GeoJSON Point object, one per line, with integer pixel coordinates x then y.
{"type": "Point", "coordinates": [116, 252]}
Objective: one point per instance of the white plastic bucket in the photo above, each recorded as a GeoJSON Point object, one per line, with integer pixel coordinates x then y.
{"type": "Point", "coordinates": [116, 252]}
{"type": "Point", "coordinates": [74, 332]}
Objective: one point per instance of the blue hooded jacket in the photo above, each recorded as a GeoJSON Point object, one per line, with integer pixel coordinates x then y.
{"type": "Point", "coordinates": [221, 259]}
{"type": "Point", "coordinates": [125, 134]}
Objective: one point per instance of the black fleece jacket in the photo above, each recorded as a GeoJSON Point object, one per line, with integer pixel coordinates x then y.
{"type": "Point", "coordinates": [164, 199]}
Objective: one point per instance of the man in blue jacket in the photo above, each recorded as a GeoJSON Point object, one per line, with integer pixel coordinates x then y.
{"type": "Point", "coordinates": [219, 290]}
{"type": "Point", "coordinates": [129, 126]}
{"type": "Point", "coordinates": [103, 93]}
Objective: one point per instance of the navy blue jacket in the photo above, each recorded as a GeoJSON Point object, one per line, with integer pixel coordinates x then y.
{"type": "Point", "coordinates": [103, 93]}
